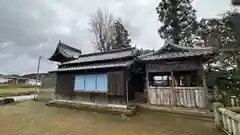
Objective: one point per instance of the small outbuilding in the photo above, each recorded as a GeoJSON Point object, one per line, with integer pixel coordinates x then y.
{"type": "Point", "coordinates": [110, 77]}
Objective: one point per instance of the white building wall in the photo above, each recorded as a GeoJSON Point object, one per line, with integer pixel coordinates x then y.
{"type": "Point", "coordinates": [33, 82]}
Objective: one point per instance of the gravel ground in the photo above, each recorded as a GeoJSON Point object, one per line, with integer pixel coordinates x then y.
{"type": "Point", "coordinates": [34, 118]}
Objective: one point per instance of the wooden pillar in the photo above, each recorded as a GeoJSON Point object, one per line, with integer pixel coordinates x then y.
{"type": "Point", "coordinates": [174, 93]}
{"type": "Point", "coordinates": [217, 118]}
{"type": "Point", "coordinates": [146, 86]}
{"type": "Point", "coordinates": [17, 80]}
{"type": "Point", "coordinates": [204, 82]}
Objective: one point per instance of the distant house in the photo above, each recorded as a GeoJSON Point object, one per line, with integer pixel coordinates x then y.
{"type": "Point", "coordinates": [172, 76]}
{"type": "Point", "coordinates": [3, 80]}
{"type": "Point", "coordinates": [33, 82]}
{"type": "Point", "coordinates": [18, 81]}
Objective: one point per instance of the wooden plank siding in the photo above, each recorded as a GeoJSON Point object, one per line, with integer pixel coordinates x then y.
{"type": "Point", "coordinates": [116, 83]}
{"type": "Point", "coordinates": [173, 66]}
{"type": "Point", "coordinates": [115, 94]}
{"type": "Point", "coordinates": [65, 85]}
{"type": "Point", "coordinates": [193, 97]}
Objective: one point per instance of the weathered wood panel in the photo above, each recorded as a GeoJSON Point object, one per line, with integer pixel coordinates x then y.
{"type": "Point", "coordinates": [115, 83]}
{"type": "Point", "coordinates": [65, 85]}
{"type": "Point", "coordinates": [160, 96]}
{"type": "Point", "coordinates": [176, 66]}
{"type": "Point", "coordinates": [193, 97]}
{"type": "Point", "coordinates": [115, 95]}
{"type": "Point", "coordinates": [92, 97]}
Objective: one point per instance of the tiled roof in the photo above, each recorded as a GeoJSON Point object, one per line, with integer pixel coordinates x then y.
{"type": "Point", "coordinates": [185, 48]}
{"type": "Point", "coordinates": [100, 56]}
{"type": "Point", "coordinates": [175, 55]}
{"type": "Point", "coordinates": [64, 53]}
{"type": "Point", "coordinates": [166, 52]}
{"type": "Point", "coordinates": [96, 66]}
{"type": "Point", "coordinates": [68, 51]}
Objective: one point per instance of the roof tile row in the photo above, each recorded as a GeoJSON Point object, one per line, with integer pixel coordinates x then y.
{"type": "Point", "coordinates": [97, 66]}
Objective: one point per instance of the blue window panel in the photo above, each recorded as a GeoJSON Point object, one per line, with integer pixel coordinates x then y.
{"type": "Point", "coordinates": [102, 84]}
{"type": "Point", "coordinates": [90, 82]}
{"type": "Point", "coordinates": [79, 84]}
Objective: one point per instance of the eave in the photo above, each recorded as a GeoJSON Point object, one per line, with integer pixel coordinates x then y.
{"type": "Point", "coordinates": [64, 53]}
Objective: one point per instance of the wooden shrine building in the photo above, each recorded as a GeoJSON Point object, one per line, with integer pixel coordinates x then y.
{"type": "Point", "coordinates": [172, 76]}
{"type": "Point", "coordinates": [175, 76]}
{"type": "Point", "coordinates": [102, 77]}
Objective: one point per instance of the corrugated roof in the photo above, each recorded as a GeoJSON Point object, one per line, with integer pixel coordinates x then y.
{"type": "Point", "coordinates": [96, 66]}
{"type": "Point", "coordinates": [100, 56]}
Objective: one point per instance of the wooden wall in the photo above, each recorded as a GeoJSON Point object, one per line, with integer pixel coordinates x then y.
{"type": "Point", "coordinates": [116, 88]}
{"type": "Point", "coordinates": [116, 83]}
{"type": "Point", "coordinates": [173, 66]}
{"type": "Point", "coordinates": [192, 97]}
{"type": "Point", "coordinates": [65, 85]}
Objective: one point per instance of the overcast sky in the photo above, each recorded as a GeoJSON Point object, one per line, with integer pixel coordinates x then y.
{"type": "Point", "coordinates": [30, 28]}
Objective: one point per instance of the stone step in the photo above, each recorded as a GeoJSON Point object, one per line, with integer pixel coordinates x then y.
{"type": "Point", "coordinates": [128, 112]}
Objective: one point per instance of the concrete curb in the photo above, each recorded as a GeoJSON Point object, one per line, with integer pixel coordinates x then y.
{"type": "Point", "coordinates": [203, 115]}
{"type": "Point", "coordinates": [126, 112]}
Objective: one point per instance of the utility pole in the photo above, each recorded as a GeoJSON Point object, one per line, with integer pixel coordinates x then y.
{"type": "Point", "coordinates": [38, 67]}
{"type": "Point", "coordinates": [37, 75]}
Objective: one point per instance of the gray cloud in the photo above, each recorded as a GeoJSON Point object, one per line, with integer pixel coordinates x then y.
{"type": "Point", "coordinates": [33, 28]}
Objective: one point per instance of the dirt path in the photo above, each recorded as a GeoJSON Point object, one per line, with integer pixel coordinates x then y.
{"type": "Point", "coordinates": [34, 118]}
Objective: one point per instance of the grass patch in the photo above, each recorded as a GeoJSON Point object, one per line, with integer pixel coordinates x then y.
{"type": "Point", "coordinates": [36, 118]}
{"type": "Point", "coordinates": [5, 92]}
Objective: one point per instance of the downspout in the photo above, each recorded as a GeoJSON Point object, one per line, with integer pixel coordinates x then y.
{"type": "Point", "coordinates": [127, 85]}
{"type": "Point", "coordinates": [127, 88]}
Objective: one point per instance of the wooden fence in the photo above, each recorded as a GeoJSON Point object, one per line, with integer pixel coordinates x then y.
{"type": "Point", "coordinates": [228, 121]}
{"type": "Point", "coordinates": [192, 97]}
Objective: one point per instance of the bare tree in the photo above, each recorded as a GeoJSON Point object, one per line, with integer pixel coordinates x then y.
{"type": "Point", "coordinates": [101, 30]}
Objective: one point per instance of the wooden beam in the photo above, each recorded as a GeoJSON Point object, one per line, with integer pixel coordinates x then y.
{"type": "Point", "coordinates": [174, 93]}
